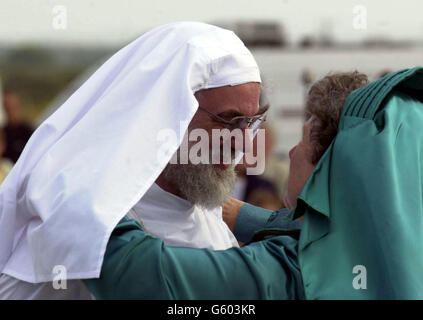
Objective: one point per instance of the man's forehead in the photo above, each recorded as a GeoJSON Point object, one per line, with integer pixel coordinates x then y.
{"type": "Point", "coordinates": [233, 89]}
{"type": "Point", "coordinates": [242, 98]}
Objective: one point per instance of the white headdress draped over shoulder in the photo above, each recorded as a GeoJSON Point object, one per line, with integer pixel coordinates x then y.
{"type": "Point", "coordinates": [88, 164]}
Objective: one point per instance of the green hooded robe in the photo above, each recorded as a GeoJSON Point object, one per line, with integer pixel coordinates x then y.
{"type": "Point", "coordinates": [361, 237]}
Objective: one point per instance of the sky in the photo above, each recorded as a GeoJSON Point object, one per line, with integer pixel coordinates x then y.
{"type": "Point", "coordinates": [98, 22]}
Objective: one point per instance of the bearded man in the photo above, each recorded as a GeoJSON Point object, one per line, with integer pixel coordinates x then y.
{"type": "Point", "coordinates": [183, 206]}
{"type": "Point", "coordinates": [99, 157]}
{"type": "Point", "coordinates": [355, 179]}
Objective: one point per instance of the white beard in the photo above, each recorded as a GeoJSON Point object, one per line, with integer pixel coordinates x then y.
{"type": "Point", "coordinates": [205, 185]}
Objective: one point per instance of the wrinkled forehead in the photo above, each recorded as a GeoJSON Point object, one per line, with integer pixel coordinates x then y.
{"type": "Point", "coordinates": [242, 99]}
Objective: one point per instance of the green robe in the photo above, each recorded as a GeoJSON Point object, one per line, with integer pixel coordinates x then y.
{"type": "Point", "coordinates": [139, 266]}
{"type": "Point", "coordinates": [362, 234]}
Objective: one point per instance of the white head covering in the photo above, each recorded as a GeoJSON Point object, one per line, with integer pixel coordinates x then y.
{"type": "Point", "coordinates": [91, 161]}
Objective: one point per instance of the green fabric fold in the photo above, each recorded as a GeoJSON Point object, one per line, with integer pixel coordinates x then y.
{"type": "Point", "coordinates": [363, 204]}
{"type": "Point", "coordinates": [139, 266]}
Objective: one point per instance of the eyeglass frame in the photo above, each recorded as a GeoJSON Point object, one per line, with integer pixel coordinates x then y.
{"type": "Point", "coordinates": [250, 120]}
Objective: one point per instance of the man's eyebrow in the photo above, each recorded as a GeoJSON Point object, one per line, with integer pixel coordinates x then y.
{"type": "Point", "coordinates": [234, 113]}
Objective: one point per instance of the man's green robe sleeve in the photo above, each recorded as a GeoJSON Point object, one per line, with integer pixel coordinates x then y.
{"type": "Point", "coordinates": [139, 266]}
{"type": "Point", "coordinates": [256, 223]}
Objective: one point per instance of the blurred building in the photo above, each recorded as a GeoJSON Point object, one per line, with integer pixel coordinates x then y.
{"type": "Point", "coordinates": [257, 33]}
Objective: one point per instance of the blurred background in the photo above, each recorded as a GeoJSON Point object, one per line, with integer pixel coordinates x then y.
{"type": "Point", "coordinates": [48, 48]}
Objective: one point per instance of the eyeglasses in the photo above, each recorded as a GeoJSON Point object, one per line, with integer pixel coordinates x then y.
{"type": "Point", "coordinates": [241, 122]}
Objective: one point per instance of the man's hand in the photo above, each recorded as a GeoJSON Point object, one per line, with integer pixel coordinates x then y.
{"type": "Point", "coordinates": [230, 211]}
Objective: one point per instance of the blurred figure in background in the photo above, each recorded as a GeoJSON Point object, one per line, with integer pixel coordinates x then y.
{"type": "Point", "coordinates": [277, 169]}
{"type": "Point", "coordinates": [307, 79]}
{"type": "Point", "coordinates": [264, 190]}
{"type": "Point", "coordinates": [5, 164]}
{"type": "Point", "coordinates": [17, 132]}
{"type": "Point", "coordinates": [2, 113]}
{"type": "Point", "coordinates": [255, 189]}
